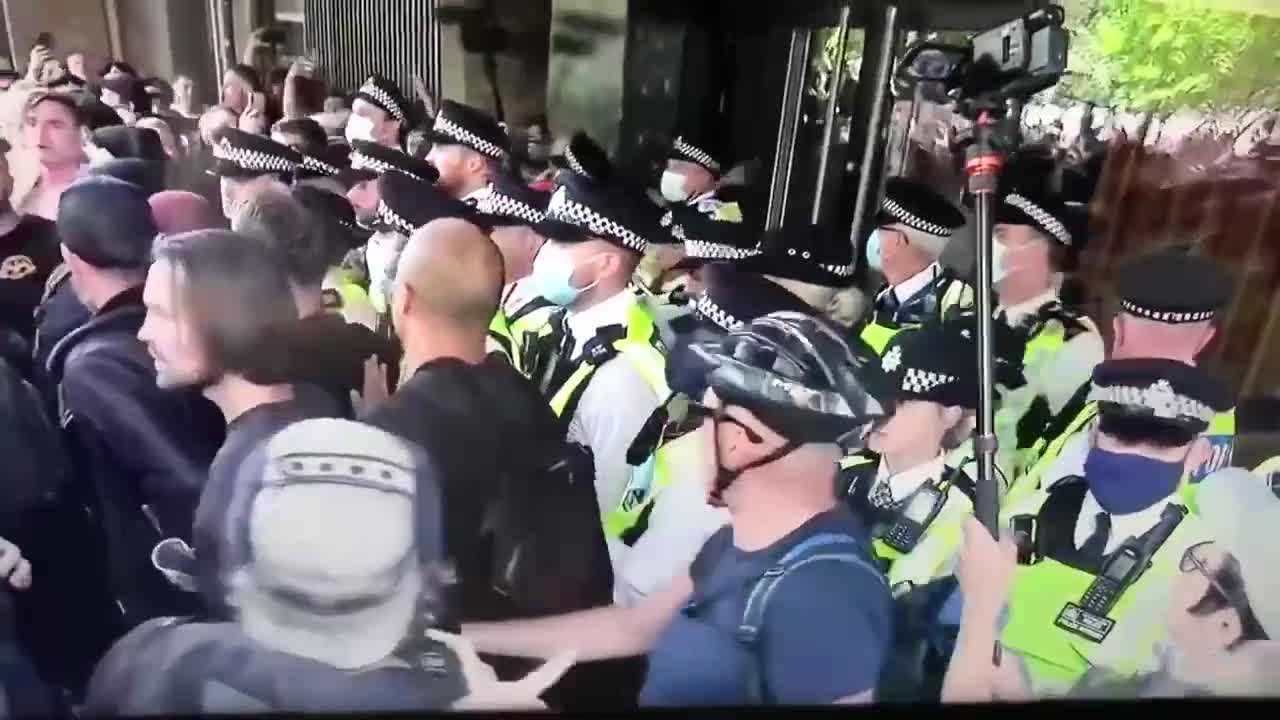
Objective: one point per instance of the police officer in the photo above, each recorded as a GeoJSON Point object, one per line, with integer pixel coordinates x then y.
{"type": "Point", "coordinates": [602, 364]}
{"type": "Point", "coordinates": [807, 262]}
{"type": "Point", "coordinates": [368, 162]}
{"type": "Point", "coordinates": [468, 150]}
{"type": "Point", "coordinates": [241, 157]}
{"type": "Point", "coordinates": [584, 157]}
{"type": "Point", "coordinates": [379, 114]}
{"type": "Point", "coordinates": [515, 212]}
{"type": "Point", "coordinates": [1100, 548]}
{"type": "Point", "coordinates": [1168, 302]}
{"type": "Point", "coordinates": [914, 501]}
{"type": "Point", "coordinates": [342, 289]}
{"type": "Point", "coordinates": [914, 225]}
{"type": "Point", "coordinates": [1035, 236]}
{"type": "Point", "coordinates": [322, 168]}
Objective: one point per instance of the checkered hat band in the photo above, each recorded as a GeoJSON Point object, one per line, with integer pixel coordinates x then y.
{"type": "Point", "coordinates": [573, 213]}
{"type": "Point", "coordinates": [1167, 316]}
{"type": "Point", "coordinates": [707, 308]}
{"type": "Point", "coordinates": [383, 99]}
{"type": "Point", "coordinates": [914, 221]}
{"type": "Point", "coordinates": [251, 159]}
{"type": "Point", "coordinates": [696, 154]}
{"type": "Point", "coordinates": [667, 219]}
{"type": "Point", "coordinates": [360, 161]}
{"type": "Point", "coordinates": [1041, 217]}
{"type": "Point", "coordinates": [841, 270]}
{"type": "Point", "coordinates": [919, 382]}
{"type": "Point", "coordinates": [1159, 397]}
{"type": "Point", "coordinates": [448, 128]}
{"type": "Point", "coordinates": [574, 164]}
{"type": "Point", "coordinates": [495, 203]}
{"type": "Point", "coordinates": [319, 166]}
{"type": "Point", "coordinates": [390, 217]}
{"type": "Point", "coordinates": [714, 251]}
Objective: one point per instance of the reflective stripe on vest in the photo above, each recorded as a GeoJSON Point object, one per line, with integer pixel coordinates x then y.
{"type": "Point", "coordinates": [640, 348]}
{"type": "Point", "coordinates": [959, 296]}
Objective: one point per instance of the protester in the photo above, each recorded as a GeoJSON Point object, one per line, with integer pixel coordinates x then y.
{"type": "Point", "coordinates": [178, 211]}
{"type": "Point", "coordinates": [139, 452]}
{"type": "Point", "coordinates": [320, 616]}
{"type": "Point", "coordinates": [218, 306]}
{"type": "Point", "coordinates": [710, 638]}
{"type": "Point", "coordinates": [52, 126]}
{"type": "Point", "coordinates": [29, 248]}
{"type": "Point", "coordinates": [323, 349]}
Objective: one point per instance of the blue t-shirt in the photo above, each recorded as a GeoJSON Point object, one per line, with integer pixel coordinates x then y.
{"type": "Point", "coordinates": [825, 634]}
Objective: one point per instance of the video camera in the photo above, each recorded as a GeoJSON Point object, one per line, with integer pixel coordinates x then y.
{"type": "Point", "coordinates": [1010, 62]}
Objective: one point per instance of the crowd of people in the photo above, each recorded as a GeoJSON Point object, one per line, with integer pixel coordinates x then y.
{"type": "Point", "coordinates": [384, 405]}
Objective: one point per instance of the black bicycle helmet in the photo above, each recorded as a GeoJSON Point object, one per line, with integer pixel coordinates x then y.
{"type": "Point", "coordinates": [798, 374]}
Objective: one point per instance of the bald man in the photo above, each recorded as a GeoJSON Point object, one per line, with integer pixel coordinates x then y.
{"type": "Point", "coordinates": [477, 418]}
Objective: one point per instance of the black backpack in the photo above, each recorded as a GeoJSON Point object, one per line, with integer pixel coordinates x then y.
{"type": "Point", "coordinates": [36, 469]}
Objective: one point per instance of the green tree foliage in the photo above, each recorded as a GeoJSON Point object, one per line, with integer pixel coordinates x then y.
{"type": "Point", "coordinates": [1165, 55]}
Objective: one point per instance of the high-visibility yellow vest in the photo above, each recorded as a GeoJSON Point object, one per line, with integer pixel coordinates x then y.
{"type": "Point", "coordinates": [878, 335]}
{"type": "Point", "coordinates": [642, 349]}
{"type": "Point", "coordinates": [934, 554]}
{"type": "Point", "coordinates": [500, 339]}
{"type": "Point", "coordinates": [1059, 643]}
{"type": "Point", "coordinates": [525, 326]}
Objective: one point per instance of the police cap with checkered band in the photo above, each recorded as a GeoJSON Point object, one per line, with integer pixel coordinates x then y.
{"type": "Point", "coordinates": [582, 209]}
{"type": "Point", "coordinates": [711, 229]}
{"type": "Point", "coordinates": [458, 124]}
{"type": "Point", "coordinates": [806, 253]}
{"type": "Point", "coordinates": [329, 161]}
{"type": "Point", "coordinates": [934, 363]}
{"type": "Point", "coordinates": [385, 94]}
{"type": "Point", "coordinates": [797, 373]}
{"type": "Point", "coordinates": [408, 203]}
{"type": "Point", "coordinates": [731, 298]}
{"type": "Point", "coordinates": [1174, 287]}
{"type": "Point", "coordinates": [238, 154]}
{"type": "Point", "coordinates": [1167, 392]}
{"type": "Point", "coordinates": [511, 202]}
{"type": "Point", "coordinates": [584, 156]}
{"type": "Point", "coordinates": [689, 147]}
{"type": "Point", "coordinates": [1043, 212]}
{"type": "Point", "coordinates": [917, 206]}
{"type": "Point", "coordinates": [369, 160]}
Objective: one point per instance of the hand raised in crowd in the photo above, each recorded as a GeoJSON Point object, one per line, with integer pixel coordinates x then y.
{"type": "Point", "coordinates": [486, 692]}
{"type": "Point", "coordinates": [35, 62]}
{"type": "Point", "coordinates": [254, 117]}
{"type": "Point", "coordinates": [986, 567]}
{"type": "Point", "coordinates": [375, 392]}
{"type": "Point", "coordinates": [15, 568]}
{"type": "Point", "coordinates": [301, 67]}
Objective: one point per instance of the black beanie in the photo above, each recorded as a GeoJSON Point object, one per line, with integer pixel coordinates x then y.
{"type": "Point", "coordinates": [107, 223]}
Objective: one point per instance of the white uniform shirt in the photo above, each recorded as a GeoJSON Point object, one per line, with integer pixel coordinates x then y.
{"type": "Point", "coordinates": [907, 289]}
{"type": "Point", "coordinates": [1122, 526]}
{"type": "Point", "coordinates": [903, 484]}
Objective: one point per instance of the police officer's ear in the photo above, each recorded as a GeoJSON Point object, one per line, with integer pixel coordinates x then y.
{"type": "Point", "coordinates": [1199, 454]}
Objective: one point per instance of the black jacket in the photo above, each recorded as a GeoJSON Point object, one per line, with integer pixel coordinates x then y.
{"type": "Point", "coordinates": [139, 453]}
{"type": "Point", "coordinates": [328, 352]}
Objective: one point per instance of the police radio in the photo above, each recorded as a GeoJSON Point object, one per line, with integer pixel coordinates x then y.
{"type": "Point", "coordinates": [1088, 618]}
{"type": "Point", "coordinates": [910, 523]}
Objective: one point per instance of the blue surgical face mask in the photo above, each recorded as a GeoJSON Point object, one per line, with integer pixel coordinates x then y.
{"type": "Point", "coordinates": [553, 275]}
{"type": "Point", "coordinates": [1125, 483]}
{"type": "Point", "coordinates": [875, 256]}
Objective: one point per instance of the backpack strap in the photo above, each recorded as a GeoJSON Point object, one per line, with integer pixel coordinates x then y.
{"type": "Point", "coordinates": [829, 546]}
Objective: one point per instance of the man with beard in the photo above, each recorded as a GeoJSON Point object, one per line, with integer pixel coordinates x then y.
{"type": "Point", "coordinates": [218, 305]}
{"type": "Point", "coordinates": [137, 450]}
{"type": "Point", "coordinates": [468, 151]}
